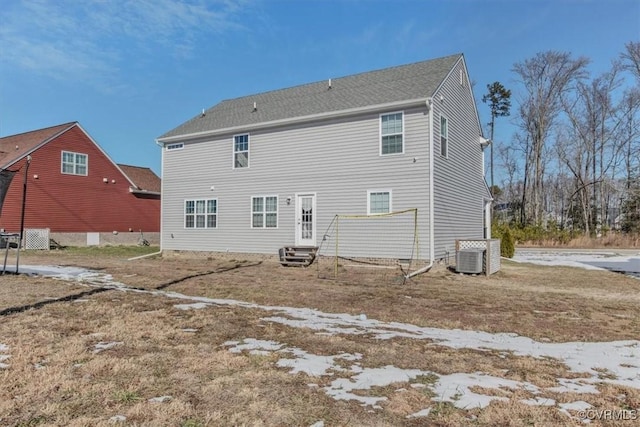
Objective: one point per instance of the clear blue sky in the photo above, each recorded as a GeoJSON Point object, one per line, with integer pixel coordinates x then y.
{"type": "Point", "coordinates": [129, 71]}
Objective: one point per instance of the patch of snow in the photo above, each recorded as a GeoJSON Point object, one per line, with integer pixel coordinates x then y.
{"type": "Point", "coordinates": [194, 306]}
{"type": "Point", "coordinates": [189, 330]}
{"type": "Point", "coordinates": [579, 405]}
{"type": "Point", "coordinates": [420, 414]}
{"type": "Point", "coordinates": [252, 344]}
{"type": "Point", "coordinates": [317, 424]}
{"type": "Point", "coordinates": [581, 357]}
{"type": "Point", "coordinates": [160, 399]}
{"type": "Point", "coordinates": [102, 345]}
{"type": "Point", "coordinates": [60, 272]}
{"type": "Point", "coordinates": [456, 388]}
{"type": "Point", "coordinates": [558, 259]}
{"type": "Point", "coordinates": [616, 358]}
{"type": "Point", "coordinates": [576, 385]}
{"type": "Point", "coordinates": [4, 349]}
{"type": "Point", "coordinates": [117, 419]}
{"type": "Point", "coordinates": [310, 364]}
{"type": "Point", "coordinates": [342, 388]}
{"type": "Point", "coordinates": [587, 260]}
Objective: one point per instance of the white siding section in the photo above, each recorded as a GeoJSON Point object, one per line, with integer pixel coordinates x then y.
{"type": "Point", "coordinates": [337, 160]}
{"type": "Point", "coordinates": [459, 183]}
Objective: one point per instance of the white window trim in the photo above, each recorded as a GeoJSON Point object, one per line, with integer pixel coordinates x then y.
{"type": "Point", "coordinates": [369, 201]}
{"type": "Point", "coordinates": [174, 146]}
{"type": "Point", "coordinates": [380, 133]}
{"type": "Point", "coordinates": [446, 154]}
{"type": "Point", "coordinates": [184, 214]}
{"type": "Point", "coordinates": [264, 213]}
{"type": "Point", "coordinates": [233, 151]}
{"type": "Point", "coordinates": [74, 163]}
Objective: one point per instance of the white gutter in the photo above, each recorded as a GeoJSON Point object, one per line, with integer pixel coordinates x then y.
{"type": "Point", "coordinates": [432, 250]}
{"type": "Point", "coordinates": [292, 120]}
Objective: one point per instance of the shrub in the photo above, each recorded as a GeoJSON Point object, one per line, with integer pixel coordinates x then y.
{"type": "Point", "coordinates": [507, 240]}
{"type": "Point", "coordinates": [507, 246]}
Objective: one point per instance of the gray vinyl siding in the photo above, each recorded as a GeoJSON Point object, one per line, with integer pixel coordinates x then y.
{"type": "Point", "coordinates": [459, 186]}
{"type": "Point", "coordinates": [337, 160]}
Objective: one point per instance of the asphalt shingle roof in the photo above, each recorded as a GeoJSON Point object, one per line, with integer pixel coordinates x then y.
{"type": "Point", "coordinates": [143, 178]}
{"type": "Point", "coordinates": [395, 84]}
{"type": "Point", "coordinates": [15, 147]}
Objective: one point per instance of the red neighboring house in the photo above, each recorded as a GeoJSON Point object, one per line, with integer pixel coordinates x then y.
{"type": "Point", "coordinates": [74, 187]}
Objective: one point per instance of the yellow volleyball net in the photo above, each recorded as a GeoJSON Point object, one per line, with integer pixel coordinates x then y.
{"type": "Point", "coordinates": [353, 244]}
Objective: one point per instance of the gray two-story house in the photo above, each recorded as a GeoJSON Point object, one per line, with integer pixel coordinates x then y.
{"type": "Point", "coordinates": [256, 173]}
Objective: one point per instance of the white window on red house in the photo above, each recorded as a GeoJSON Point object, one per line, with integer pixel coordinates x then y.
{"type": "Point", "coordinates": [75, 163]}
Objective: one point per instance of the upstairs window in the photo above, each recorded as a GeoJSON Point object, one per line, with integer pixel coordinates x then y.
{"type": "Point", "coordinates": [264, 212]}
{"type": "Point", "coordinates": [201, 213]}
{"type": "Point", "coordinates": [391, 134]}
{"type": "Point", "coordinates": [444, 136]}
{"type": "Point", "coordinates": [74, 163]}
{"type": "Point", "coordinates": [240, 151]}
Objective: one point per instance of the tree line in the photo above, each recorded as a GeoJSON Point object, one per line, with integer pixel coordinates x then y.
{"type": "Point", "coordinates": [574, 161]}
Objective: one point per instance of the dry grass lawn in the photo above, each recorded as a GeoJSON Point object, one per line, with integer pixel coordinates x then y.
{"type": "Point", "coordinates": [79, 357]}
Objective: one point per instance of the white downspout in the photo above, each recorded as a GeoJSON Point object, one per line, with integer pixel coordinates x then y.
{"type": "Point", "coordinates": [145, 256]}
{"type": "Point", "coordinates": [432, 250]}
{"type": "Point", "coordinates": [161, 145]}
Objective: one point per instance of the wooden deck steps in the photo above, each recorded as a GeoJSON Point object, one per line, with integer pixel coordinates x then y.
{"type": "Point", "coordinates": [297, 256]}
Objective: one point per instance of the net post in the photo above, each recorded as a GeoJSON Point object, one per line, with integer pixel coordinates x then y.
{"type": "Point", "coordinates": [335, 267]}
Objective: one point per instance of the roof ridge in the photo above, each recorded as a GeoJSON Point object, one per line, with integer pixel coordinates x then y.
{"type": "Point", "coordinates": [333, 79]}
{"type": "Point", "coordinates": [69, 124]}
{"type": "Point", "coordinates": [349, 94]}
{"type": "Point", "coordinates": [133, 166]}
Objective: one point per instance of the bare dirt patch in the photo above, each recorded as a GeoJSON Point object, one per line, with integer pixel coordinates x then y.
{"type": "Point", "coordinates": [135, 354]}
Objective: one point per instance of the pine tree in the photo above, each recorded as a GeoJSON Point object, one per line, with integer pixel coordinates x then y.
{"type": "Point", "coordinates": [631, 210]}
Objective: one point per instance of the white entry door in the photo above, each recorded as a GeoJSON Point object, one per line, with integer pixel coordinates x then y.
{"type": "Point", "coordinates": [305, 219]}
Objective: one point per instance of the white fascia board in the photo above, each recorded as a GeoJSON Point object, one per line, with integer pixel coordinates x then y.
{"type": "Point", "coordinates": [294, 120]}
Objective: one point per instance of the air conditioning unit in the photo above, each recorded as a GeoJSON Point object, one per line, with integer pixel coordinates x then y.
{"type": "Point", "coordinates": [469, 260]}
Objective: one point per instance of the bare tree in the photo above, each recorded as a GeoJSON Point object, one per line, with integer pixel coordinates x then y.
{"type": "Point", "coordinates": [629, 112]}
{"type": "Point", "coordinates": [629, 117]}
{"type": "Point", "coordinates": [631, 58]}
{"type": "Point", "coordinates": [546, 79]}
{"type": "Point", "coordinates": [578, 161]}
{"type": "Point", "coordinates": [509, 163]}
{"type": "Point", "coordinates": [594, 128]}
